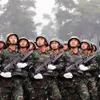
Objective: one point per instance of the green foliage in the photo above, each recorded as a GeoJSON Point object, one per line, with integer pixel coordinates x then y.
{"type": "Point", "coordinates": [18, 18]}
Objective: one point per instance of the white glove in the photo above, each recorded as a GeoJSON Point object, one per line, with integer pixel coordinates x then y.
{"type": "Point", "coordinates": [51, 67]}
{"type": "Point", "coordinates": [68, 75]}
{"type": "Point", "coordinates": [38, 76]}
{"type": "Point", "coordinates": [21, 65]}
{"type": "Point", "coordinates": [5, 74]}
{"type": "Point", "coordinates": [99, 75]}
{"type": "Point", "coordinates": [83, 68]}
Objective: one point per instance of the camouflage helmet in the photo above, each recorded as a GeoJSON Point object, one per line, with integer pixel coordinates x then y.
{"type": "Point", "coordinates": [23, 38]}
{"type": "Point", "coordinates": [74, 37]}
{"type": "Point", "coordinates": [10, 34]}
{"type": "Point", "coordinates": [57, 40]}
{"type": "Point", "coordinates": [42, 36]}
{"type": "Point", "coordinates": [94, 45]}
{"type": "Point", "coordinates": [65, 42]}
{"type": "Point", "coordinates": [32, 42]}
{"type": "Point", "coordinates": [86, 41]}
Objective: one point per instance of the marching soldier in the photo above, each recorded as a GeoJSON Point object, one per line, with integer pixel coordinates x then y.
{"type": "Point", "coordinates": [9, 89]}
{"type": "Point", "coordinates": [56, 46]}
{"type": "Point", "coordinates": [23, 46]}
{"type": "Point", "coordinates": [65, 46]}
{"type": "Point", "coordinates": [38, 81]}
{"type": "Point", "coordinates": [77, 81]}
{"type": "Point", "coordinates": [92, 72]}
{"type": "Point", "coordinates": [32, 46]}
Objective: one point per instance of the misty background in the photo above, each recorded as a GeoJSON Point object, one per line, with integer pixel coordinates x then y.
{"type": "Point", "coordinates": [52, 18]}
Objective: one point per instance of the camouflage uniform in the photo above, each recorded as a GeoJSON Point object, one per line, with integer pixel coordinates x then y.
{"type": "Point", "coordinates": [90, 79]}
{"type": "Point", "coordinates": [64, 85]}
{"type": "Point", "coordinates": [39, 85]}
{"type": "Point", "coordinates": [79, 86]}
{"type": "Point", "coordinates": [27, 86]}
{"type": "Point", "coordinates": [47, 87]}
{"type": "Point", "coordinates": [9, 88]}
{"type": "Point", "coordinates": [58, 79]}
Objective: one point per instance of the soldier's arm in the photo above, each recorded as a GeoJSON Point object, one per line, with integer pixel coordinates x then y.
{"type": "Point", "coordinates": [93, 65]}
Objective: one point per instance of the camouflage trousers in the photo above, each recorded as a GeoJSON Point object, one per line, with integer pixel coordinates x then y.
{"type": "Point", "coordinates": [82, 90]}
{"type": "Point", "coordinates": [87, 89]}
{"type": "Point", "coordinates": [40, 88]}
{"type": "Point", "coordinates": [5, 88]}
{"type": "Point", "coordinates": [45, 88]}
{"type": "Point", "coordinates": [93, 89]}
{"type": "Point", "coordinates": [29, 92]}
{"type": "Point", "coordinates": [98, 84]}
{"type": "Point", "coordinates": [5, 93]}
{"type": "Point", "coordinates": [53, 90]}
{"type": "Point", "coordinates": [67, 89]}
{"type": "Point", "coordinates": [17, 90]}
{"type": "Point", "coordinates": [11, 89]}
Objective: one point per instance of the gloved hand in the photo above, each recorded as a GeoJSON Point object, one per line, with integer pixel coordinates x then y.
{"type": "Point", "coordinates": [6, 74]}
{"type": "Point", "coordinates": [51, 67]}
{"type": "Point", "coordinates": [38, 76]}
{"type": "Point", "coordinates": [99, 75]}
{"type": "Point", "coordinates": [21, 65]}
{"type": "Point", "coordinates": [68, 75]}
{"type": "Point", "coordinates": [83, 68]}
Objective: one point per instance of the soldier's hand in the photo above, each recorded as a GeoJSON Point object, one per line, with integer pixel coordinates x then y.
{"type": "Point", "coordinates": [51, 67]}
{"type": "Point", "coordinates": [21, 65]}
{"type": "Point", "coordinates": [83, 68]}
{"type": "Point", "coordinates": [68, 75]}
{"type": "Point", "coordinates": [38, 76]}
{"type": "Point", "coordinates": [6, 74]}
{"type": "Point", "coordinates": [99, 75]}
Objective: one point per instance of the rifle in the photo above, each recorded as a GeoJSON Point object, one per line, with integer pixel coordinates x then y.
{"type": "Point", "coordinates": [83, 60]}
{"type": "Point", "coordinates": [51, 60]}
{"type": "Point", "coordinates": [21, 58]}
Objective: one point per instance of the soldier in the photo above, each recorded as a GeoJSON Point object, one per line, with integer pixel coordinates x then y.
{"type": "Point", "coordinates": [94, 48]}
{"type": "Point", "coordinates": [56, 46]}
{"type": "Point", "coordinates": [9, 89]}
{"type": "Point", "coordinates": [38, 81]}
{"type": "Point", "coordinates": [23, 46]}
{"type": "Point", "coordinates": [65, 46]}
{"type": "Point", "coordinates": [32, 46]}
{"type": "Point", "coordinates": [90, 74]}
{"type": "Point", "coordinates": [85, 45]}
{"type": "Point", "coordinates": [80, 87]}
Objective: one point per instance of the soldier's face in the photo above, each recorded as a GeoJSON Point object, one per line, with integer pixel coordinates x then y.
{"type": "Point", "coordinates": [84, 46]}
{"type": "Point", "coordinates": [54, 45]}
{"type": "Point", "coordinates": [13, 39]}
{"type": "Point", "coordinates": [74, 43]}
{"type": "Point", "coordinates": [41, 42]}
{"type": "Point", "coordinates": [1, 45]}
{"type": "Point", "coordinates": [31, 46]}
{"type": "Point", "coordinates": [65, 47]}
{"type": "Point", "coordinates": [23, 43]}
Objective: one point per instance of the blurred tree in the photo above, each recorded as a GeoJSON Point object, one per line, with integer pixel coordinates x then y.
{"type": "Point", "coordinates": [81, 18]}
{"type": "Point", "coordinates": [49, 30]}
{"type": "Point", "coordinates": [18, 18]}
